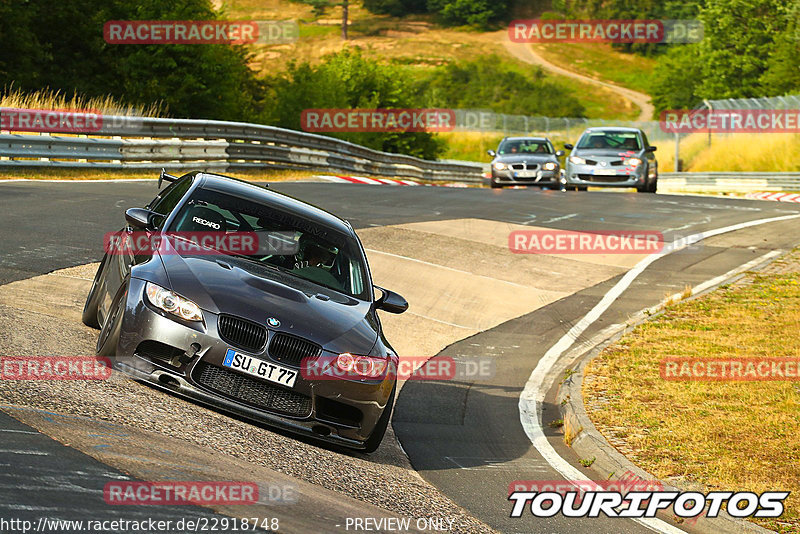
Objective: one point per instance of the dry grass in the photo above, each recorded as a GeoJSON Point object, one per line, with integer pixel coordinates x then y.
{"type": "Point", "coordinates": [48, 99]}
{"type": "Point", "coordinates": [719, 435]}
{"type": "Point", "coordinates": [749, 152]}
{"type": "Point", "coordinates": [472, 146]}
{"type": "Point", "coordinates": [745, 152]}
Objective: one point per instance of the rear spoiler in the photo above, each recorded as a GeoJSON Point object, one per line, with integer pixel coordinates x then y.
{"type": "Point", "coordinates": [164, 176]}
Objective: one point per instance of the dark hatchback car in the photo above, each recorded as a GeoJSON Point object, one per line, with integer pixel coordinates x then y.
{"type": "Point", "coordinates": [525, 161]}
{"type": "Point", "coordinates": [612, 157]}
{"type": "Point", "coordinates": [286, 334]}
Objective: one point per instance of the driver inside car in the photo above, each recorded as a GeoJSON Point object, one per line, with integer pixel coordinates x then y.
{"type": "Point", "coordinates": [313, 265]}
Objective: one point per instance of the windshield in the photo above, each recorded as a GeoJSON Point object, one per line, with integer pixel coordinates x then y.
{"type": "Point", "coordinates": [283, 240]}
{"type": "Point", "coordinates": [610, 140]}
{"type": "Point", "coordinates": [524, 146]}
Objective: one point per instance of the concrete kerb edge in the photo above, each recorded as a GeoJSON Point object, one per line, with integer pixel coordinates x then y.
{"type": "Point", "coordinates": [583, 437]}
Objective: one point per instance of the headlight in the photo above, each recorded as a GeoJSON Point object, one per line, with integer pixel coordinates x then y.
{"type": "Point", "coordinates": [633, 162]}
{"type": "Point", "coordinates": [500, 166]}
{"type": "Point", "coordinates": [361, 366]}
{"type": "Point", "coordinates": [577, 160]}
{"type": "Point", "coordinates": [166, 300]}
{"type": "Point", "coordinates": [550, 166]}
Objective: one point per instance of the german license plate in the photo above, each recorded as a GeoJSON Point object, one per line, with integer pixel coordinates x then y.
{"type": "Point", "coordinates": [604, 172]}
{"type": "Point", "coordinates": [524, 174]}
{"type": "Point", "coordinates": [259, 368]}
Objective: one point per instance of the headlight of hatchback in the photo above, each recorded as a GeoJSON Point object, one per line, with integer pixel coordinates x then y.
{"type": "Point", "coordinates": [633, 162]}
{"type": "Point", "coordinates": [550, 166]}
{"type": "Point", "coordinates": [577, 160]}
{"type": "Point", "coordinates": [172, 303]}
{"type": "Point", "coordinates": [500, 166]}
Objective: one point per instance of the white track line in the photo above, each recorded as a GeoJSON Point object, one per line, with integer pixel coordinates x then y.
{"type": "Point", "coordinates": [532, 397]}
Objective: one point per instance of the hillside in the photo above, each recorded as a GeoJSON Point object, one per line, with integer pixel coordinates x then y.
{"type": "Point", "coordinates": [417, 42]}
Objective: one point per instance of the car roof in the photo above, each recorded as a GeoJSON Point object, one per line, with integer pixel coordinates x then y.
{"type": "Point", "coordinates": [613, 128]}
{"type": "Point", "coordinates": [525, 139]}
{"type": "Point", "coordinates": [242, 188]}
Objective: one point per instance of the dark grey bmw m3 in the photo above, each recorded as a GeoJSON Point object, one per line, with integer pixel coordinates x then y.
{"type": "Point", "coordinates": [252, 302]}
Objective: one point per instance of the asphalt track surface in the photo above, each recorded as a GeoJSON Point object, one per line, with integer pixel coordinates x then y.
{"type": "Point", "coordinates": [465, 438]}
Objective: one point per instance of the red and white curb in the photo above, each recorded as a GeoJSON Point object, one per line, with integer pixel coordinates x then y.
{"type": "Point", "coordinates": [378, 181]}
{"type": "Point", "coordinates": [778, 197]}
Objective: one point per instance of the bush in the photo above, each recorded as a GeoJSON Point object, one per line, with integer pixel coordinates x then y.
{"type": "Point", "coordinates": [396, 8]}
{"type": "Point", "coordinates": [348, 80]}
{"type": "Point", "coordinates": [490, 83]}
{"type": "Point", "coordinates": [479, 13]}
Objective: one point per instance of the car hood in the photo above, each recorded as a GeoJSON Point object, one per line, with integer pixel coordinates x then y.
{"type": "Point", "coordinates": [225, 284]}
{"type": "Point", "coordinates": [603, 154]}
{"type": "Point", "coordinates": [520, 158]}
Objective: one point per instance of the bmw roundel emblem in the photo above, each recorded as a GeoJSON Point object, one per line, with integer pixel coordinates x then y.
{"type": "Point", "coordinates": [273, 322]}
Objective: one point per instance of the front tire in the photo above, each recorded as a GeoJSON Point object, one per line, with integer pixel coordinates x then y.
{"type": "Point", "coordinates": [494, 185]}
{"type": "Point", "coordinates": [374, 439]}
{"type": "Point", "coordinates": [109, 334]}
{"type": "Point", "coordinates": [89, 316]}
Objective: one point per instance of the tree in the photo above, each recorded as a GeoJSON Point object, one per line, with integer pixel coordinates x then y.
{"type": "Point", "coordinates": [60, 45]}
{"type": "Point", "coordinates": [676, 78]}
{"type": "Point", "coordinates": [739, 40]}
{"type": "Point", "coordinates": [750, 49]}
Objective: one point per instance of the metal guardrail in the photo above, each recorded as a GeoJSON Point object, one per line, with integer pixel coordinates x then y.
{"type": "Point", "coordinates": [175, 144]}
{"type": "Point", "coordinates": [729, 181]}
{"type": "Point", "coordinates": [133, 142]}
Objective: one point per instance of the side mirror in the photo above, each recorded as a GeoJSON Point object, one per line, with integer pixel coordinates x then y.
{"type": "Point", "coordinates": [391, 301]}
{"type": "Point", "coordinates": [139, 218]}
{"type": "Point", "coordinates": [650, 149]}
{"type": "Point", "coordinates": [559, 153]}
{"type": "Point", "coordinates": [568, 146]}
{"type": "Point", "coordinates": [491, 153]}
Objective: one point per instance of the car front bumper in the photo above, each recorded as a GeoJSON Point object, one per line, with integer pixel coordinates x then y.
{"type": "Point", "coordinates": [342, 412]}
{"type": "Point", "coordinates": [541, 178]}
{"type": "Point", "coordinates": [586, 175]}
